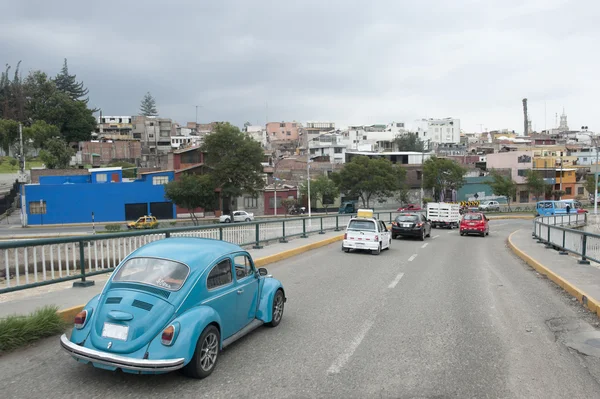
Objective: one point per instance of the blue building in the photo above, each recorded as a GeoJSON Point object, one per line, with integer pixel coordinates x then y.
{"type": "Point", "coordinates": [476, 188]}
{"type": "Point", "coordinates": [103, 192]}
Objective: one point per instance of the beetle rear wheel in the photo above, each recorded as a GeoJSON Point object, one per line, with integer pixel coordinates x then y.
{"type": "Point", "coordinates": [277, 310]}
{"type": "Point", "coordinates": [206, 355]}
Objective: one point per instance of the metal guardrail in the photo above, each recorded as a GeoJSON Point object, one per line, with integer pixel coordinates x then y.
{"type": "Point", "coordinates": [37, 262]}
{"type": "Point", "coordinates": [557, 232]}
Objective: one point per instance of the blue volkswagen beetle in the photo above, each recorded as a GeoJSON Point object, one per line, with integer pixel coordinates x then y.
{"type": "Point", "coordinates": [174, 304]}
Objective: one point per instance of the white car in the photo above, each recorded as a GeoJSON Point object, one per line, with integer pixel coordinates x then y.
{"type": "Point", "coordinates": [238, 216]}
{"type": "Point", "coordinates": [489, 206]}
{"type": "Point", "coordinates": [367, 233]}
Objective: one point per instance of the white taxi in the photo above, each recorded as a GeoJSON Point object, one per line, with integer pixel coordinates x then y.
{"type": "Point", "coordinates": [367, 233]}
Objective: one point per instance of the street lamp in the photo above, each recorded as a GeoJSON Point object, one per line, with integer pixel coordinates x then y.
{"type": "Point", "coordinates": [275, 180]}
{"type": "Point", "coordinates": [595, 143]}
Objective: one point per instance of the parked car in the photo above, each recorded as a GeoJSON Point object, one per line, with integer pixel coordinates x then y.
{"type": "Point", "coordinates": [409, 208]}
{"type": "Point", "coordinates": [174, 304]}
{"type": "Point", "coordinates": [145, 222]}
{"type": "Point", "coordinates": [489, 206]}
{"type": "Point", "coordinates": [237, 216]}
{"type": "Point", "coordinates": [411, 225]}
{"type": "Point", "coordinates": [366, 233]}
{"type": "Point", "coordinates": [475, 223]}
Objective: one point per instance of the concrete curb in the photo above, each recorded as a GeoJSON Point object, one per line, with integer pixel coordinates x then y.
{"type": "Point", "coordinates": [587, 301]}
{"type": "Point", "coordinates": [523, 217]}
{"type": "Point", "coordinates": [68, 315]}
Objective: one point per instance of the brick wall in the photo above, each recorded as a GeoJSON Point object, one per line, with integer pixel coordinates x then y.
{"type": "Point", "coordinates": [36, 173]}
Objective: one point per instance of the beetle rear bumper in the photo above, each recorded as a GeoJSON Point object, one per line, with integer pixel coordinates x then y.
{"type": "Point", "coordinates": [122, 362]}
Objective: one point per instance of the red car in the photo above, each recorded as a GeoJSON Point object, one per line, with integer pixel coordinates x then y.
{"type": "Point", "coordinates": [474, 223]}
{"type": "Point", "coordinates": [409, 208]}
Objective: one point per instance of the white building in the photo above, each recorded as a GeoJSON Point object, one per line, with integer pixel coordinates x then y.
{"type": "Point", "coordinates": [259, 134]}
{"type": "Point", "coordinates": [331, 145]}
{"type": "Point", "coordinates": [438, 131]}
{"type": "Point", "coordinates": [585, 156]}
{"type": "Point", "coordinates": [374, 138]}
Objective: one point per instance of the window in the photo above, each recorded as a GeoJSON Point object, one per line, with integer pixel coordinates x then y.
{"type": "Point", "coordinates": [282, 125]}
{"type": "Point", "coordinates": [337, 150]}
{"type": "Point", "coordinates": [521, 172]}
{"type": "Point", "coordinates": [579, 190]}
{"type": "Point", "coordinates": [37, 207]}
{"type": "Point", "coordinates": [250, 203]}
{"type": "Point", "coordinates": [568, 190]}
{"type": "Point", "coordinates": [161, 273]}
{"type": "Point", "coordinates": [243, 267]}
{"type": "Point", "coordinates": [366, 225]}
{"type": "Point", "coordinates": [272, 201]}
{"type": "Point", "coordinates": [220, 275]}
{"type": "Point", "coordinates": [160, 180]}
{"type": "Point", "coordinates": [101, 178]}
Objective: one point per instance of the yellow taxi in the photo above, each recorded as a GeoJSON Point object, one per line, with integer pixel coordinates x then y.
{"type": "Point", "coordinates": [145, 222]}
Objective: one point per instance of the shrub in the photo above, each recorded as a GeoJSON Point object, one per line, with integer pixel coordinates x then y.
{"type": "Point", "coordinates": [16, 331]}
{"type": "Point", "coordinates": [112, 227]}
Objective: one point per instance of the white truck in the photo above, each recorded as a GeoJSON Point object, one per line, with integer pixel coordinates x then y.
{"type": "Point", "coordinates": [441, 214]}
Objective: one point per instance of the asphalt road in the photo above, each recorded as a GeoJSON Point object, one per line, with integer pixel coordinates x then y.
{"type": "Point", "coordinates": [451, 317]}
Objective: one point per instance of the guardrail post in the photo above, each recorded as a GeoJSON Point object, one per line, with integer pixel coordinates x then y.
{"type": "Point", "coordinates": [283, 239]}
{"type": "Point", "coordinates": [257, 244]}
{"type": "Point", "coordinates": [220, 234]}
{"type": "Point", "coordinates": [583, 260]}
{"type": "Point", "coordinates": [83, 282]}
{"type": "Point", "coordinates": [322, 231]}
{"type": "Point", "coordinates": [390, 217]}
{"type": "Point", "coordinates": [168, 234]}
{"type": "Point", "coordinates": [337, 223]}
{"type": "Point", "coordinates": [304, 229]}
{"type": "Point", "coordinates": [562, 251]}
{"type": "Point", "coordinates": [548, 244]}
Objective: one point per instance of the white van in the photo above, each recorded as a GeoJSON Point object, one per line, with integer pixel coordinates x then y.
{"type": "Point", "coordinates": [367, 233]}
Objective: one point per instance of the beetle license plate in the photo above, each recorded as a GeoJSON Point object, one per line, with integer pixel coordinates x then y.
{"type": "Point", "coordinates": [405, 224]}
{"type": "Point", "coordinates": [115, 331]}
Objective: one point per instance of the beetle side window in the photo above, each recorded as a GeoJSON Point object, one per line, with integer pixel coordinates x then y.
{"type": "Point", "coordinates": [220, 275]}
{"type": "Point", "coordinates": [243, 267]}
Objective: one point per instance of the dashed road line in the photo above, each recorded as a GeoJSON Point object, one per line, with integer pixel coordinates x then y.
{"type": "Point", "coordinates": [341, 361]}
{"type": "Point", "coordinates": [412, 257]}
{"type": "Point", "coordinates": [434, 237]}
{"type": "Point", "coordinates": [424, 245]}
{"type": "Point", "coordinates": [396, 280]}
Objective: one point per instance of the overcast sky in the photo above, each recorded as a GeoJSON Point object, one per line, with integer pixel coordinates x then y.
{"type": "Point", "coordinates": [321, 60]}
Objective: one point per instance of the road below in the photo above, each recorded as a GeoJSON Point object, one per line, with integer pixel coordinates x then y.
{"type": "Point", "coordinates": [449, 317]}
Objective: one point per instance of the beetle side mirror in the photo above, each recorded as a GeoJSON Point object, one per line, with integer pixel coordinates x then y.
{"type": "Point", "coordinates": [262, 271]}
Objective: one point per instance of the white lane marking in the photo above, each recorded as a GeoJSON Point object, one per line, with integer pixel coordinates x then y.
{"type": "Point", "coordinates": [424, 245]}
{"type": "Point", "coordinates": [341, 361]}
{"type": "Point", "coordinates": [396, 280]}
{"type": "Point", "coordinates": [434, 237]}
{"type": "Point", "coordinates": [412, 258]}
{"type": "Point", "coordinates": [451, 232]}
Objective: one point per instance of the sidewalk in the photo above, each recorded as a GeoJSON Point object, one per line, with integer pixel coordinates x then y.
{"type": "Point", "coordinates": [581, 281]}
{"type": "Point", "coordinates": [65, 296]}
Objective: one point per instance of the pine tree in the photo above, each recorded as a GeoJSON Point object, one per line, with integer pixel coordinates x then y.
{"type": "Point", "coordinates": [148, 106]}
{"type": "Point", "coordinates": [68, 84]}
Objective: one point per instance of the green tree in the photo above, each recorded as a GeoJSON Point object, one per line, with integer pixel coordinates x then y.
{"type": "Point", "coordinates": [367, 178]}
{"type": "Point", "coordinates": [235, 161]}
{"type": "Point", "coordinates": [288, 204]}
{"type": "Point", "coordinates": [441, 174]}
{"type": "Point", "coordinates": [45, 102]}
{"type": "Point", "coordinates": [56, 154]}
{"type": "Point", "coordinates": [148, 106]}
{"type": "Point", "coordinates": [39, 133]}
{"type": "Point", "coordinates": [68, 84]}
{"type": "Point", "coordinates": [322, 189]}
{"type": "Point", "coordinates": [192, 192]}
{"type": "Point", "coordinates": [410, 142]}
{"type": "Point", "coordinates": [536, 184]}
{"type": "Point", "coordinates": [590, 182]}
{"type": "Point", "coordinates": [12, 97]}
{"type": "Point", "coordinates": [504, 186]}
{"type": "Point", "coordinates": [9, 132]}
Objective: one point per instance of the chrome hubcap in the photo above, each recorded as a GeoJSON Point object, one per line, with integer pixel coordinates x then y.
{"type": "Point", "coordinates": [278, 308]}
{"type": "Point", "coordinates": [209, 352]}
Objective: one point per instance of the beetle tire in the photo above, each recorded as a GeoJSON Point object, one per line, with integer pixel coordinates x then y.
{"type": "Point", "coordinates": [275, 322]}
{"type": "Point", "coordinates": [193, 368]}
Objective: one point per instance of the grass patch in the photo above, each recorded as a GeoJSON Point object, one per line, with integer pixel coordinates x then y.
{"type": "Point", "coordinates": [10, 164]}
{"type": "Point", "coordinates": [17, 331]}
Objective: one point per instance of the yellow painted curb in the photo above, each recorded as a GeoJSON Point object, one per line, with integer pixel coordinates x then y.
{"type": "Point", "coordinates": [68, 315]}
{"type": "Point", "coordinates": [591, 303]}
{"type": "Point", "coordinates": [296, 251]}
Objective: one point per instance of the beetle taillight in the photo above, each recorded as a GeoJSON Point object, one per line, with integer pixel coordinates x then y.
{"type": "Point", "coordinates": [376, 238]}
{"type": "Point", "coordinates": [80, 319]}
{"type": "Point", "coordinates": [345, 236]}
{"type": "Point", "coordinates": [168, 335]}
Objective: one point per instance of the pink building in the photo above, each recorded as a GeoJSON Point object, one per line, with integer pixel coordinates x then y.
{"type": "Point", "coordinates": [282, 131]}
{"type": "Point", "coordinates": [517, 161]}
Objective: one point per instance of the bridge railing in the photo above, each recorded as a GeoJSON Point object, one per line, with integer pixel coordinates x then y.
{"type": "Point", "coordinates": [32, 263]}
{"type": "Point", "coordinates": [559, 232]}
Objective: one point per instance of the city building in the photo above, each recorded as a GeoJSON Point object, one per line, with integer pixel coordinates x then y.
{"type": "Point", "coordinates": [283, 131]}
{"type": "Point", "coordinates": [185, 137]}
{"type": "Point", "coordinates": [155, 136]}
{"type": "Point", "coordinates": [518, 163]}
{"type": "Point", "coordinates": [114, 125]}
{"type": "Point", "coordinates": [401, 158]}
{"type": "Point", "coordinates": [328, 147]}
{"type": "Point", "coordinates": [258, 134]}
{"type": "Point", "coordinates": [438, 131]}
{"type": "Point", "coordinates": [103, 152]}
{"type": "Point", "coordinates": [374, 138]}
{"type": "Point", "coordinates": [101, 195]}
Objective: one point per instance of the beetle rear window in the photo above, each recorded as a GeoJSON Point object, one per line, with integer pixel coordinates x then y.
{"type": "Point", "coordinates": [362, 225]}
{"type": "Point", "coordinates": [161, 273]}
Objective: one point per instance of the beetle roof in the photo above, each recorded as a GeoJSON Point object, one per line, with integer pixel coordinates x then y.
{"type": "Point", "coordinates": [197, 253]}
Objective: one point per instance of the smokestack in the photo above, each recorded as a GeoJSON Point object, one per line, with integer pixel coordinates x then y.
{"type": "Point", "coordinates": [525, 122]}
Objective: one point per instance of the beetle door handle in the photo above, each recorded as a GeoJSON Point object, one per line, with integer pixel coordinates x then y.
{"type": "Point", "coordinates": [240, 291]}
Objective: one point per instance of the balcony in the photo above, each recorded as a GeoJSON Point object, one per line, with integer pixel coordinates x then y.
{"type": "Point", "coordinates": [550, 180]}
